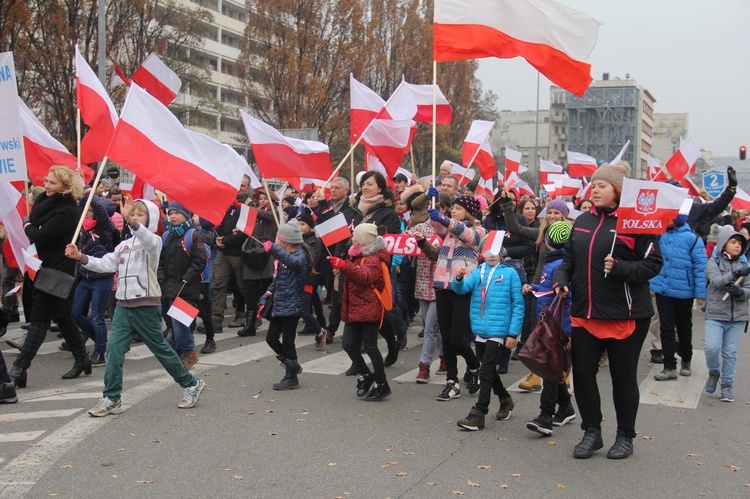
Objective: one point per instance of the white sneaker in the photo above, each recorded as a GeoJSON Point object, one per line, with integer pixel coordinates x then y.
{"type": "Point", "coordinates": [106, 407]}
{"type": "Point", "coordinates": [191, 394]}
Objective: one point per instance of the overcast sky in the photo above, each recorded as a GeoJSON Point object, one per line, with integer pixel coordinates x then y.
{"type": "Point", "coordinates": [691, 55]}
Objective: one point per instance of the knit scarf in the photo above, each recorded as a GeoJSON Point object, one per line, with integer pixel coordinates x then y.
{"type": "Point", "coordinates": [366, 204]}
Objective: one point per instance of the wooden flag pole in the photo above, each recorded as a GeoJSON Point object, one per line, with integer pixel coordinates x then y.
{"type": "Point", "coordinates": [78, 138]}
{"type": "Point", "coordinates": [273, 207]}
{"type": "Point", "coordinates": [411, 155]}
{"type": "Point", "coordinates": [434, 123]}
{"type": "Point", "coordinates": [26, 195]}
{"type": "Point", "coordinates": [470, 163]}
{"type": "Point", "coordinates": [351, 169]}
{"type": "Point", "coordinates": [90, 198]}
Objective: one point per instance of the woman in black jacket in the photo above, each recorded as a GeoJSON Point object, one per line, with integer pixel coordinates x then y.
{"type": "Point", "coordinates": [50, 226]}
{"type": "Point", "coordinates": [611, 309]}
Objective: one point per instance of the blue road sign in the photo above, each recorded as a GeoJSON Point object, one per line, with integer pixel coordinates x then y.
{"type": "Point", "coordinates": [714, 182]}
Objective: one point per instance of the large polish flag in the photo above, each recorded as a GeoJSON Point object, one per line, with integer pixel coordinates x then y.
{"type": "Point", "coordinates": [581, 165]}
{"type": "Point", "coordinates": [389, 140]}
{"type": "Point", "coordinates": [195, 170]}
{"type": "Point", "coordinates": [546, 168]}
{"type": "Point", "coordinates": [477, 150]}
{"type": "Point", "coordinates": [555, 39]}
{"type": "Point", "coordinates": [684, 159]}
{"type": "Point", "coordinates": [333, 230]}
{"type": "Point", "coordinates": [647, 207]}
{"type": "Point", "coordinates": [513, 160]}
{"type": "Point", "coordinates": [654, 170]}
{"type": "Point", "coordinates": [741, 200]}
{"type": "Point", "coordinates": [279, 157]}
{"type": "Point", "coordinates": [43, 150]}
{"type": "Point", "coordinates": [423, 96]}
{"type": "Point", "coordinates": [157, 79]}
{"type": "Point", "coordinates": [365, 105]}
{"type": "Point", "coordinates": [97, 111]}
{"type": "Point", "coordinates": [10, 199]}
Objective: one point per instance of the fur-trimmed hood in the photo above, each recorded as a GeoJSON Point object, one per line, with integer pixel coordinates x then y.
{"type": "Point", "coordinates": [377, 245]}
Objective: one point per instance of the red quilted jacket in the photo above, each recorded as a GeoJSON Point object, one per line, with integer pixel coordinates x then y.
{"type": "Point", "coordinates": [359, 302]}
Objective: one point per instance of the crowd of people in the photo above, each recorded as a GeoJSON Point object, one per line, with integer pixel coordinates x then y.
{"type": "Point", "coordinates": [136, 260]}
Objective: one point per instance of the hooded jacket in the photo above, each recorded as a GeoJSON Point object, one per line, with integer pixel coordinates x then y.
{"type": "Point", "coordinates": [362, 273]}
{"type": "Point", "coordinates": [179, 273]}
{"type": "Point", "coordinates": [99, 240]}
{"type": "Point", "coordinates": [683, 274]}
{"type": "Point", "coordinates": [718, 274]}
{"type": "Point", "coordinates": [288, 286]}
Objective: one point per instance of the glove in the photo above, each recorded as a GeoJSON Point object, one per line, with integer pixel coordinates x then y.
{"type": "Point", "coordinates": [507, 202]}
{"type": "Point", "coordinates": [336, 262]}
{"type": "Point", "coordinates": [735, 290]}
{"type": "Point", "coordinates": [741, 272]}
{"type": "Point", "coordinates": [267, 246]}
{"type": "Point", "coordinates": [438, 217]}
{"type": "Point", "coordinates": [731, 177]}
{"type": "Point", "coordinates": [432, 192]}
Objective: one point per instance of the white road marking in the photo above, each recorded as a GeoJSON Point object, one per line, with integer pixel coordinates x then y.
{"type": "Point", "coordinates": [248, 353]}
{"type": "Point", "coordinates": [67, 396]}
{"type": "Point", "coordinates": [683, 392]}
{"type": "Point", "coordinates": [61, 413]}
{"type": "Point", "coordinates": [21, 436]}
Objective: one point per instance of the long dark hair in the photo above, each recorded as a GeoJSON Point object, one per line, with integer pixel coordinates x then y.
{"type": "Point", "coordinates": [382, 184]}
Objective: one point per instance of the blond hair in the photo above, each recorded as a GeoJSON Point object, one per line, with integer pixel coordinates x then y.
{"type": "Point", "coordinates": [70, 180]}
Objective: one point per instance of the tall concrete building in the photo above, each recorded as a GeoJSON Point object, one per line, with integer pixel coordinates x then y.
{"type": "Point", "coordinates": [518, 130]}
{"type": "Point", "coordinates": [669, 128]}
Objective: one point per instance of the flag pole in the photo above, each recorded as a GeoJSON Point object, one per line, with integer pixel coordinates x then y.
{"type": "Point", "coordinates": [434, 122]}
{"type": "Point", "coordinates": [470, 163]}
{"type": "Point", "coordinates": [90, 198]}
{"type": "Point", "coordinates": [78, 136]}
{"type": "Point", "coordinates": [351, 169]}
{"type": "Point", "coordinates": [273, 208]}
{"type": "Point", "coordinates": [411, 155]}
{"type": "Point", "coordinates": [26, 195]}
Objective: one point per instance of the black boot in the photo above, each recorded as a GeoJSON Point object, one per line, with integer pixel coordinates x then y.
{"type": "Point", "coordinates": [622, 448]}
{"type": "Point", "coordinates": [18, 376]}
{"type": "Point", "coordinates": [591, 442]}
{"type": "Point", "coordinates": [82, 364]}
{"type": "Point", "coordinates": [392, 356]}
{"type": "Point", "coordinates": [364, 383]}
{"type": "Point", "coordinates": [249, 328]}
{"type": "Point", "coordinates": [8, 393]}
{"type": "Point", "coordinates": [379, 392]}
{"type": "Point", "coordinates": [289, 381]}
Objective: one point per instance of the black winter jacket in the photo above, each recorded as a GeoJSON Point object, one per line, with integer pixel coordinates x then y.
{"type": "Point", "coordinates": [176, 266]}
{"type": "Point", "coordinates": [288, 286]}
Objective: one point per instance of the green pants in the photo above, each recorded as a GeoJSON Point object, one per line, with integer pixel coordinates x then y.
{"type": "Point", "coordinates": [146, 321]}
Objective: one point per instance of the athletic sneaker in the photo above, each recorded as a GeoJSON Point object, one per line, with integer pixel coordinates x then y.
{"type": "Point", "coordinates": [106, 407]}
{"type": "Point", "coordinates": [98, 360]}
{"type": "Point", "coordinates": [541, 424]}
{"type": "Point", "coordinates": [727, 395]}
{"type": "Point", "coordinates": [564, 416]}
{"type": "Point", "coordinates": [473, 385]}
{"type": "Point", "coordinates": [191, 394]}
{"type": "Point", "coordinates": [713, 380]}
{"type": "Point", "coordinates": [474, 421]}
{"type": "Point", "coordinates": [451, 391]}
{"type": "Point", "coordinates": [320, 341]}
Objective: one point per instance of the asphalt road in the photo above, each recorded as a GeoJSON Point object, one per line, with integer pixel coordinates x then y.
{"type": "Point", "coordinates": [322, 441]}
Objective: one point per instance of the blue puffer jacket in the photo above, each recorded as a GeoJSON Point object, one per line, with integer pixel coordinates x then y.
{"type": "Point", "coordinates": [504, 305]}
{"type": "Point", "coordinates": [684, 272]}
{"type": "Point", "coordinates": [288, 286]}
{"type": "Point", "coordinates": [553, 259]}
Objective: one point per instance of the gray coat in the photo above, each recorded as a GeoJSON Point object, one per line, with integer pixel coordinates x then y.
{"type": "Point", "coordinates": [718, 274]}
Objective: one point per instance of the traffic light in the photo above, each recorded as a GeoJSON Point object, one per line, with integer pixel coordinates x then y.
{"type": "Point", "coordinates": [743, 152]}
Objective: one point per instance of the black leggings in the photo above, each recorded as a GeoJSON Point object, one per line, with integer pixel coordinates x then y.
{"type": "Point", "coordinates": [286, 328]}
{"type": "Point", "coordinates": [489, 379]}
{"type": "Point", "coordinates": [453, 318]}
{"type": "Point", "coordinates": [586, 350]}
{"type": "Point", "coordinates": [38, 331]}
{"type": "Point", "coordinates": [356, 333]}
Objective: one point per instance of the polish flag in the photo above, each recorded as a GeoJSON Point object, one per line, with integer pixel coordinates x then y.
{"type": "Point", "coordinates": [157, 79]}
{"type": "Point", "coordinates": [141, 189]}
{"type": "Point", "coordinates": [555, 39]}
{"type": "Point", "coordinates": [43, 150]}
{"type": "Point", "coordinates": [463, 175]}
{"type": "Point", "coordinates": [513, 160]}
{"type": "Point", "coordinates": [514, 182]}
{"type": "Point", "coordinates": [620, 154]}
{"type": "Point", "coordinates": [545, 168]}
{"type": "Point", "coordinates": [246, 221]}
{"type": "Point", "coordinates": [684, 159]}
{"type": "Point", "coordinates": [97, 111]}
{"type": "Point", "coordinates": [585, 192]}
{"type": "Point", "coordinates": [31, 261]}
{"type": "Point", "coordinates": [118, 78]}
{"type": "Point", "coordinates": [365, 105]}
{"type": "Point", "coordinates": [551, 190]}
{"type": "Point", "coordinates": [333, 230]}
{"type": "Point", "coordinates": [477, 151]}
{"type": "Point", "coordinates": [10, 201]}
{"type": "Point", "coordinates": [197, 171]}
{"type": "Point", "coordinates": [647, 207]}
{"type": "Point", "coordinates": [741, 200]}
{"type": "Point", "coordinates": [278, 156]}
{"type": "Point", "coordinates": [581, 165]}
{"type": "Point", "coordinates": [400, 106]}
{"type": "Point", "coordinates": [654, 170]}
{"type": "Point", "coordinates": [484, 187]}
{"type": "Point", "coordinates": [389, 140]}
{"type": "Point", "coordinates": [423, 97]}
{"type": "Point", "coordinates": [493, 245]}
{"type": "Point", "coordinates": [182, 312]}
{"type": "Point", "coordinates": [693, 190]}
{"type": "Point", "coordinates": [566, 186]}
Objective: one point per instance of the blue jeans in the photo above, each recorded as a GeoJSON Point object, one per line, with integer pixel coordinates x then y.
{"type": "Point", "coordinates": [96, 294]}
{"type": "Point", "coordinates": [723, 337]}
{"type": "Point", "coordinates": [183, 336]}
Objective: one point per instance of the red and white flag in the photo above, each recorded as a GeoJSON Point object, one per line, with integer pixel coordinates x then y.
{"type": "Point", "coordinates": [514, 182]}
{"type": "Point", "coordinates": [333, 230]}
{"type": "Point", "coordinates": [493, 245]}
{"type": "Point", "coordinates": [564, 185]}
{"type": "Point", "coordinates": [278, 156]}
{"type": "Point", "coordinates": [551, 190]}
{"type": "Point", "coordinates": [141, 189]}
{"type": "Point", "coordinates": [581, 165]}
{"type": "Point", "coordinates": [365, 105]}
{"type": "Point", "coordinates": [548, 167]}
{"type": "Point", "coordinates": [10, 201]}
{"type": "Point", "coordinates": [693, 189]}
{"type": "Point", "coordinates": [463, 175]}
{"type": "Point", "coordinates": [31, 261]}
{"type": "Point", "coordinates": [118, 78]}
{"type": "Point", "coordinates": [477, 150]}
{"type": "Point", "coordinates": [197, 171]}
{"type": "Point", "coordinates": [97, 111]}
{"type": "Point", "coordinates": [647, 207]}
{"type": "Point", "coordinates": [513, 160]}
{"type": "Point", "coordinates": [586, 191]}
{"type": "Point", "coordinates": [555, 39]}
{"type": "Point", "coordinates": [246, 220]}
{"type": "Point", "coordinates": [620, 154]}
{"type": "Point", "coordinates": [741, 200]}
{"type": "Point", "coordinates": [182, 312]}
{"type": "Point", "coordinates": [423, 96]}
{"type": "Point", "coordinates": [157, 79]}
{"type": "Point", "coordinates": [389, 140]}
{"type": "Point", "coordinates": [654, 170]}
{"type": "Point", "coordinates": [400, 105]}
{"type": "Point", "coordinates": [484, 187]}
{"type": "Point", "coordinates": [684, 159]}
{"type": "Point", "coordinates": [43, 150]}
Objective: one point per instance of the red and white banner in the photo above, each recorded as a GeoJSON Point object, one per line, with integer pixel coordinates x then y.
{"type": "Point", "coordinates": [404, 244]}
{"type": "Point", "coordinates": [10, 199]}
{"type": "Point", "coordinates": [477, 150]}
{"type": "Point", "coordinates": [555, 39]}
{"type": "Point", "coordinates": [182, 312]}
{"type": "Point", "coordinates": [389, 140]}
{"type": "Point", "coordinates": [513, 160]}
{"type": "Point", "coordinates": [279, 156]}
{"type": "Point", "coordinates": [654, 170]}
{"type": "Point", "coordinates": [12, 157]}
{"type": "Point", "coordinates": [494, 243]}
{"type": "Point", "coordinates": [423, 96]}
{"type": "Point", "coordinates": [156, 78]}
{"type": "Point", "coordinates": [741, 200]}
{"type": "Point", "coordinates": [97, 111]}
{"type": "Point", "coordinates": [365, 105]}
{"type": "Point", "coordinates": [333, 230]}
{"type": "Point", "coordinates": [547, 167]}
{"type": "Point", "coordinates": [463, 175]}
{"type": "Point", "coordinates": [197, 171]}
{"type": "Point", "coordinates": [581, 165]}
{"type": "Point", "coordinates": [246, 220]}
{"type": "Point", "coordinates": [684, 159]}
{"type": "Point", "coordinates": [647, 207]}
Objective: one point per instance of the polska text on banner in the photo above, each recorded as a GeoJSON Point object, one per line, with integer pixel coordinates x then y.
{"type": "Point", "coordinates": [406, 245]}
{"type": "Point", "coordinates": [12, 156]}
{"type": "Point", "coordinates": [647, 207]}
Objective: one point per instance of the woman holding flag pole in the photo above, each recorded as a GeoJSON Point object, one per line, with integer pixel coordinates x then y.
{"type": "Point", "coordinates": [608, 274]}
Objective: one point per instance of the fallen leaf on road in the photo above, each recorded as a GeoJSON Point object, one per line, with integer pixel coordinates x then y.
{"type": "Point", "coordinates": [501, 439]}
{"type": "Point", "coordinates": [408, 453]}
{"type": "Point", "coordinates": [120, 450]}
{"type": "Point", "coordinates": [108, 464]}
{"type": "Point", "coordinates": [402, 473]}
{"type": "Point", "coordinates": [504, 486]}
{"type": "Point", "coordinates": [552, 442]}
{"type": "Point", "coordinates": [459, 493]}
{"type": "Point", "coordinates": [746, 484]}
{"type": "Point", "coordinates": [251, 412]}
{"type": "Point", "coordinates": [331, 464]}
{"type": "Point", "coordinates": [257, 395]}
{"type": "Point", "coordinates": [238, 477]}
{"type": "Point", "coordinates": [228, 469]}
{"type": "Point", "coordinates": [733, 467]}
{"type": "Point", "coordinates": [53, 494]}
{"type": "Point", "coordinates": [699, 463]}
{"type": "Point", "coordinates": [66, 466]}
{"type": "Point", "coordinates": [415, 411]}
{"type": "Point", "coordinates": [483, 467]}
{"type": "Point", "coordinates": [144, 481]}
{"type": "Point", "coordinates": [132, 434]}
{"type": "Point", "coordinates": [516, 475]}
{"type": "Point", "coordinates": [472, 484]}
{"type": "Point", "coordinates": [409, 434]}
{"type": "Point", "coordinates": [692, 455]}
{"type": "Point", "coordinates": [431, 484]}
{"type": "Point", "coordinates": [190, 414]}
{"type": "Point", "coordinates": [10, 420]}
{"type": "Point", "coordinates": [272, 434]}
{"type": "Point", "coordinates": [35, 445]}
{"type": "Point", "coordinates": [270, 484]}
{"type": "Point", "coordinates": [646, 437]}
{"type": "Point", "coordinates": [654, 393]}
{"type": "Point", "coordinates": [559, 486]}
{"type": "Point", "coordinates": [115, 476]}
{"type": "Point", "coordinates": [269, 410]}
{"type": "Point", "coordinates": [300, 420]}
{"type": "Point", "coordinates": [156, 442]}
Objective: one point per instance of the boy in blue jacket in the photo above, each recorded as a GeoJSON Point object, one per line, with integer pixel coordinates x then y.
{"type": "Point", "coordinates": [497, 309]}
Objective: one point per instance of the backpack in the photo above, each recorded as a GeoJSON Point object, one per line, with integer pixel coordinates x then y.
{"type": "Point", "coordinates": [187, 245]}
{"type": "Point", "coordinates": [386, 295]}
